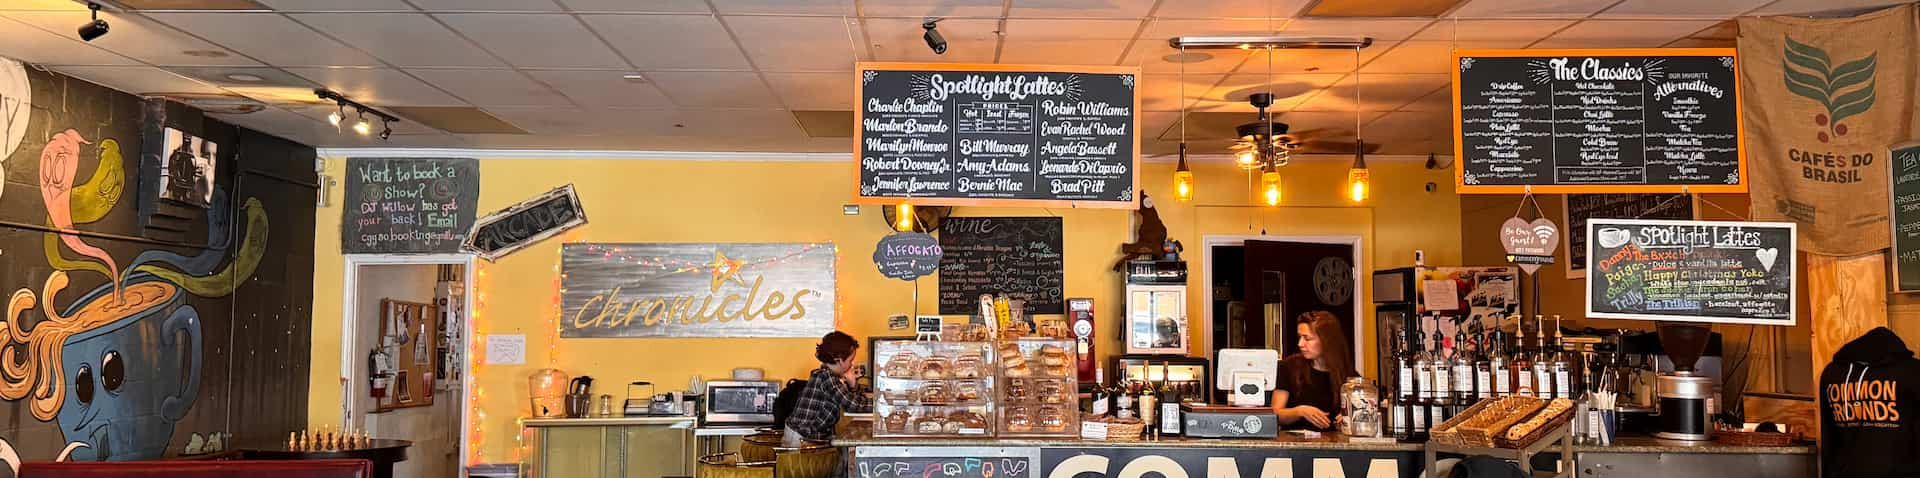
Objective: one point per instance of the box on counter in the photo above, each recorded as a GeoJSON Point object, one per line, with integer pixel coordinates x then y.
{"type": "Point", "coordinates": [1216, 421]}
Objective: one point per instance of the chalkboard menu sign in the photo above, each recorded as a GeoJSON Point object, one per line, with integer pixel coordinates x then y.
{"type": "Point", "coordinates": [1691, 271]}
{"type": "Point", "coordinates": [1581, 207]}
{"type": "Point", "coordinates": [1018, 257]}
{"type": "Point", "coordinates": [1906, 217]}
{"type": "Point", "coordinates": [973, 135]}
{"type": "Point", "coordinates": [408, 205]}
{"type": "Point", "coordinates": [526, 223]}
{"type": "Point", "coordinates": [1598, 121]}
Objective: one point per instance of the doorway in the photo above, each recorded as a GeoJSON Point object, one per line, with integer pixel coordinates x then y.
{"type": "Point", "coordinates": [404, 356]}
{"type": "Point", "coordinates": [1258, 286]}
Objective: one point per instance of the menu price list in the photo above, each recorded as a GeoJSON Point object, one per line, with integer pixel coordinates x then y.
{"type": "Point", "coordinates": [1599, 120]}
{"type": "Point", "coordinates": [1019, 257]}
{"type": "Point", "coordinates": [997, 135]}
{"type": "Point", "coordinates": [1906, 217]}
{"type": "Point", "coordinates": [1691, 271]}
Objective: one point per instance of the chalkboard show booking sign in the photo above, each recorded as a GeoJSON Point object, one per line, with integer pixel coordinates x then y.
{"type": "Point", "coordinates": [1691, 271]}
{"type": "Point", "coordinates": [1598, 121]}
{"type": "Point", "coordinates": [408, 205]}
{"type": "Point", "coordinates": [526, 223]}
{"type": "Point", "coordinates": [1005, 135]}
{"type": "Point", "coordinates": [1019, 257]}
{"type": "Point", "coordinates": [1906, 216]}
{"type": "Point", "coordinates": [1577, 209]}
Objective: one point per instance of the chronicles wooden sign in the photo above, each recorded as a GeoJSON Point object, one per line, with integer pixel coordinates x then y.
{"type": "Point", "coordinates": [997, 135]}
{"type": "Point", "coordinates": [697, 290]}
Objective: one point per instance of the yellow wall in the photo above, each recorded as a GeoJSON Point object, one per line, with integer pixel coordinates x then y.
{"type": "Point", "coordinates": [737, 201]}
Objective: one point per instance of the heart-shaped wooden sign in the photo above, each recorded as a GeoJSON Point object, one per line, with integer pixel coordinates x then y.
{"type": "Point", "coordinates": [1530, 244]}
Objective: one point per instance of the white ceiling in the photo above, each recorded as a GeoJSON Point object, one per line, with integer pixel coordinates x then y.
{"type": "Point", "coordinates": [725, 75]}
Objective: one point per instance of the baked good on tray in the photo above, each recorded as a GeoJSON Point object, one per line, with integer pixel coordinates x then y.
{"type": "Point", "coordinates": [1546, 415]}
{"type": "Point", "coordinates": [897, 421]}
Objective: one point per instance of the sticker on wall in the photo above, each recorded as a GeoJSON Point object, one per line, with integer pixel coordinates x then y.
{"type": "Point", "coordinates": [526, 223]}
{"type": "Point", "coordinates": [697, 289]}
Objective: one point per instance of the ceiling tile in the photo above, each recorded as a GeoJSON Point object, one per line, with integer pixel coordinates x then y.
{"type": "Point", "coordinates": [33, 45]}
{"type": "Point", "coordinates": [1162, 29]}
{"type": "Point", "coordinates": [1294, 61]}
{"type": "Point", "coordinates": [337, 5]}
{"type": "Point", "coordinates": [318, 114]}
{"type": "Point", "coordinates": [715, 89]}
{"type": "Point", "coordinates": [930, 8]}
{"type": "Point", "coordinates": [899, 39]}
{"type": "Point", "coordinates": [602, 88]}
{"type": "Point", "coordinates": [1377, 92]}
{"type": "Point", "coordinates": [815, 7]}
{"type": "Point", "coordinates": [575, 121]}
{"type": "Point", "coordinates": [637, 6]}
{"type": "Point", "coordinates": [269, 77]}
{"type": "Point", "coordinates": [138, 79]}
{"type": "Point", "coordinates": [140, 38]}
{"type": "Point", "coordinates": [1439, 100]}
{"type": "Point", "coordinates": [1231, 8]}
{"type": "Point", "coordinates": [1288, 91]}
{"type": "Point", "coordinates": [1311, 125]}
{"type": "Point", "coordinates": [813, 91]}
{"type": "Point", "coordinates": [1159, 124]}
{"type": "Point", "coordinates": [1622, 33]}
{"type": "Point", "coordinates": [1714, 9]}
{"type": "Point", "coordinates": [1530, 8]}
{"type": "Point", "coordinates": [697, 41]}
{"type": "Point", "coordinates": [770, 42]}
{"type": "Point", "coordinates": [1787, 7]}
{"type": "Point", "coordinates": [1161, 92]}
{"type": "Point", "coordinates": [1157, 57]}
{"type": "Point", "coordinates": [47, 5]}
{"type": "Point", "coordinates": [1062, 52]}
{"type": "Point", "coordinates": [378, 86]}
{"type": "Point", "coordinates": [536, 40]}
{"type": "Point", "coordinates": [1491, 33]}
{"type": "Point", "coordinates": [268, 37]}
{"type": "Point", "coordinates": [285, 124]}
{"type": "Point", "coordinates": [1080, 9]}
{"type": "Point", "coordinates": [406, 40]}
{"type": "Point", "coordinates": [730, 123]}
{"type": "Point", "coordinates": [1020, 29]}
{"type": "Point", "coordinates": [487, 5]}
{"type": "Point", "coordinates": [1418, 126]}
{"type": "Point", "coordinates": [1701, 43]}
{"type": "Point", "coordinates": [1388, 29]}
{"type": "Point", "coordinates": [1413, 57]}
{"type": "Point", "coordinates": [485, 88]}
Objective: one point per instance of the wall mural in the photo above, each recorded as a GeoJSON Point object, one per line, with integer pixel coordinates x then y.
{"type": "Point", "coordinates": [109, 340]}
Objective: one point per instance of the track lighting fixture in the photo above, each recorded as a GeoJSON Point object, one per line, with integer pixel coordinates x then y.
{"type": "Point", "coordinates": [96, 28]}
{"type": "Point", "coordinates": [934, 40]}
{"type": "Point", "coordinates": [336, 117]}
{"type": "Point", "coordinates": [386, 129]}
{"type": "Point", "coordinates": [363, 126]}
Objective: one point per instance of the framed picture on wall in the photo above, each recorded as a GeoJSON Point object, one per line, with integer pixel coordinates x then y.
{"type": "Point", "coordinates": [186, 169]}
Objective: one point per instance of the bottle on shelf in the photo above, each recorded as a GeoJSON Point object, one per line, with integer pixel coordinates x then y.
{"type": "Point", "coordinates": [1149, 403]}
{"type": "Point", "coordinates": [1482, 364]}
{"type": "Point", "coordinates": [1423, 373]}
{"type": "Point", "coordinates": [1521, 365]}
{"type": "Point", "coordinates": [1102, 402]}
{"type": "Point", "coordinates": [1442, 402]}
{"type": "Point", "coordinates": [1405, 389]}
{"type": "Point", "coordinates": [1543, 385]}
{"type": "Point", "coordinates": [1170, 418]}
{"type": "Point", "coordinates": [1566, 366]}
{"type": "Point", "coordinates": [1497, 360]}
{"type": "Point", "coordinates": [1463, 372]}
{"type": "Point", "coordinates": [1123, 396]}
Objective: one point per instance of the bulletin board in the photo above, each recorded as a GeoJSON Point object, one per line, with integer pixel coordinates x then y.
{"type": "Point", "coordinates": [409, 331]}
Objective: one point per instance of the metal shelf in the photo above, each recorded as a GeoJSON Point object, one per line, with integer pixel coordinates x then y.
{"type": "Point", "coordinates": [1560, 436]}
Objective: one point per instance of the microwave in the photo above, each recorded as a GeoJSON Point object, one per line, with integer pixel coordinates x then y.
{"type": "Point", "coordinates": [741, 402]}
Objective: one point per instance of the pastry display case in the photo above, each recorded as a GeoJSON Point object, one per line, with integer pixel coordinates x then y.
{"type": "Point", "coordinates": [933, 388]}
{"type": "Point", "coordinates": [1038, 392]}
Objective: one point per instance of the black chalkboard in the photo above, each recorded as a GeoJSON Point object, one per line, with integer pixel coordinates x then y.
{"type": "Point", "coordinates": [1598, 121]}
{"type": "Point", "coordinates": [969, 135]}
{"type": "Point", "coordinates": [526, 223]}
{"type": "Point", "coordinates": [1019, 257]}
{"type": "Point", "coordinates": [907, 255]}
{"type": "Point", "coordinates": [991, 464]}
{"type": "Point", "coordinates": [408, 205]}
{"type": "Point", "coordinates": [1691, 271]}
{"type": "Point", "coordinates": [1581, 207]}
{"type": "Point", "coordinates": [1906, 217]}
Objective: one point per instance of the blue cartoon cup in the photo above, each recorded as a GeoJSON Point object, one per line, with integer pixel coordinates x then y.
{"type": "Point", "coordinates": [130, 379]}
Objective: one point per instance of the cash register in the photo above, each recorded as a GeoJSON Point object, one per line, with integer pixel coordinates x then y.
{"type": "Point", "coordinates": [1248, 376]}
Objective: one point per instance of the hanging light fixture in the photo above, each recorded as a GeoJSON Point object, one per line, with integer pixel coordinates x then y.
{"type": "Point", "coordinates": [1358, 178]}
{"type": "Point", "coordinates": [1182, 176]}
{"type": "Point", "coordinates": [363, 127]}
{"type": "Point", "coordinates": [1270, 184]}
{"type": "Point", "coordinates": [903, 217]}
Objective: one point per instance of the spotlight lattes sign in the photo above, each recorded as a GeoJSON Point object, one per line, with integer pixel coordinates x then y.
{"type": "Point", "coordinates": [696, 290]}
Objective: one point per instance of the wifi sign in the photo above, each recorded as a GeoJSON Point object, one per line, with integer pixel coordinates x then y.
{"type": "Point", "coordinates": [1530, 244]}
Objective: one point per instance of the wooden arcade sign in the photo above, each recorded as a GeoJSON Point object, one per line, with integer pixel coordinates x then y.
{"type": "Point", "coordinates": [996, 135]}
{"type": "Point", "coordinates": [1598, 121]}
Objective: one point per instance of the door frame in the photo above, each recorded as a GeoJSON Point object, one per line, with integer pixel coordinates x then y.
{"type": "Point", "coordinates": [1208, 242]}
{"type": "Point", "coordinates": [349, 358]}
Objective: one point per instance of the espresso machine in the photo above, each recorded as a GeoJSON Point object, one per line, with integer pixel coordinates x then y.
{"type": "Point", "coordinates": [1684, 394]}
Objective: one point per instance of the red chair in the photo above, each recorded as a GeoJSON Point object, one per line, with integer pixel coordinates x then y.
{"type": "Point", "coordinates": [201, 469]}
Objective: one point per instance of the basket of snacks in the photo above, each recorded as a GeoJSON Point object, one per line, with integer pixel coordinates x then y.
{"type": "Point", "coordinates": [1747, 438]}
{"type": "Point", "coordinates": [1533, 428]}
{"type": "Point", "coordinates": [1482, 428]}
{"type": "Point", "coordinates": [1448, 432]}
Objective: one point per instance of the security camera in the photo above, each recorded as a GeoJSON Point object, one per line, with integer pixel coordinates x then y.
{"type": "Point", "coordinates": [96, 28]}
{"type": "Point", "coordinates": [934, 40]}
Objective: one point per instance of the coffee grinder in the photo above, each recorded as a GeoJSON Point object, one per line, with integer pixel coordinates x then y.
{"type": "Point", "coordinates": [1683, 394]}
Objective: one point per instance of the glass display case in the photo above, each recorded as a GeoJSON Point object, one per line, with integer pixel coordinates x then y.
{"type": "Point", "coordinates": [933, 388]}
{"type": "Point", "coordinates": [1038, 393]}
{"type": "Point", "coordinates": [1187, 376]}
{"type": "Point", "coordinates": [1156, 319]}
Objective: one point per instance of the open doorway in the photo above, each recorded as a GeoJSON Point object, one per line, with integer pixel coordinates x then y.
{"type": "Point", "coordinates": [1258, 286]}
{"type": "Point", "coordinates": [404, 356]}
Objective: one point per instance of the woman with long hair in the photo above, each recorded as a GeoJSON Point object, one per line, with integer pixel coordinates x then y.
{"type": "Point", "coordinates": [1308, 392]}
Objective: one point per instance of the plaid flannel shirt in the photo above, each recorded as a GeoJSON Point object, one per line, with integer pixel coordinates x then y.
{"type": "Point", "coordinates": [822, 402]}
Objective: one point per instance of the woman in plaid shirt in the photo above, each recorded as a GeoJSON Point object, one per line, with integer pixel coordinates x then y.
{"type": "Point", "coordinates": [829, 392]}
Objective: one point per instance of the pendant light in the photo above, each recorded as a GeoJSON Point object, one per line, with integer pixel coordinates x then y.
{"type": "Point", "coordinates": [1270, 184]}
{"type": "Point", "coordinates": [1182, 176]}
{"type": "Point", "coordinates": [903, 217]}
{"type": "Point", "coordinates": [1358, 178]}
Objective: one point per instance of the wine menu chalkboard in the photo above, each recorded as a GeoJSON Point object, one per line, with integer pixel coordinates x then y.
{"type": "Point", "coordinates": [1906, 217]}
{"type": "Point", "coordinates": [1598, 121]}
{"type": "Point", "coordinates": [1582, 207]}
{"type": "Point", "coordinates": [408, 205]}
{"type": "Point", "coordinates": [1691, 271]}
{"type": "Point", "coordinates": [971, 135]}
{"type": "Point", "coordinates": [1019, 257]}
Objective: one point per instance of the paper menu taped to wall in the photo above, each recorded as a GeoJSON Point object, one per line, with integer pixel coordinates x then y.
{"type": "Point", "coordinates": [1440, 295]}
{"type": "Point", "coordinates": [506, 349]}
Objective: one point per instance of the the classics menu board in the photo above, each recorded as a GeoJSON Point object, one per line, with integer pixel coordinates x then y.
{"type": "Point", "coordinates": [1018, 257]}
{"type": "Point", "coordinates": [1691, 271]}
{"type": "Point", "coordinates": [1598, 121]}
{"type": "Point", "coordinates": [972, 135]}
{"type": "Point", "coordinates": [1906, 217]}
{"type": "Point", "coordinates": [408, 205]}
